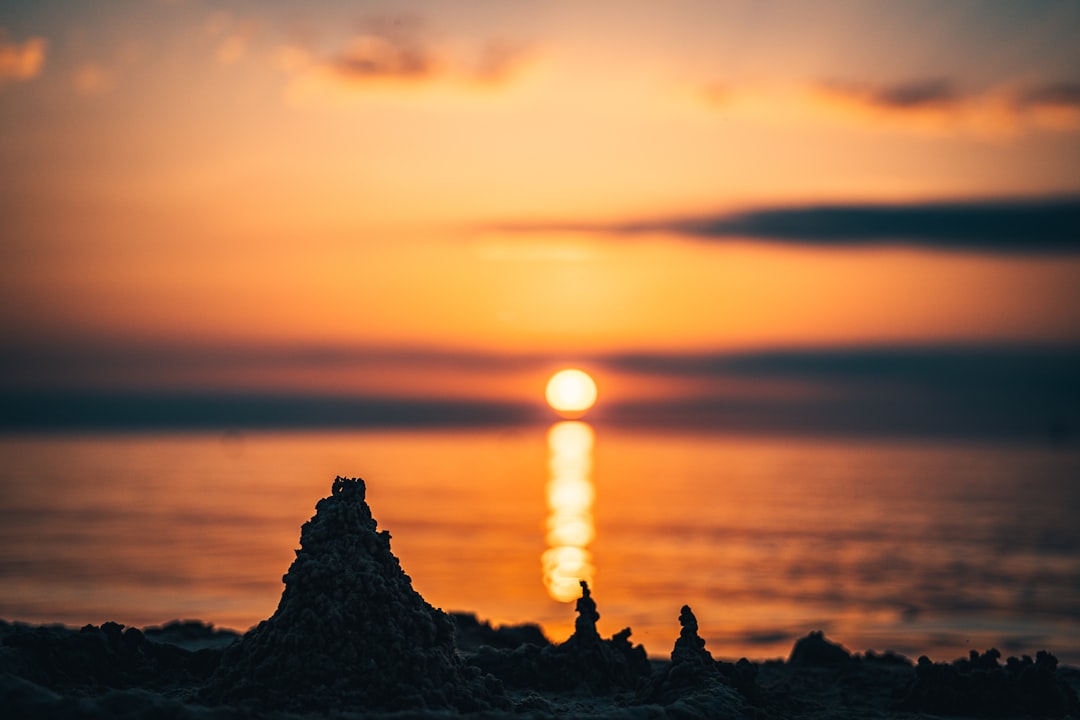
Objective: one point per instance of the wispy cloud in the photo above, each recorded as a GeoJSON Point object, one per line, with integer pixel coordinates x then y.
{"type": "Point", "coordinates": [919, 94]}
{"type": "Point", "coordinates": [992, 226]}
{"type": "Point", "coordinates": [387, 51]}
{"type": "Point", "coordinates": [399, 53]}
{"type": "Point", "coordinates": [93, 78]}
{"type": "Point", "coordinates": [498, 60]}
{"type": "Point", "coordinates": [232, 36]}
{"type": "Point", "coordinates": [21, 60]}
{"type": "Point", "coordinates": [941, 104]}
{"type": "Point", "coordinates": [1052, 95]}
{"type": "Point", "coordinates": [1055, 105]}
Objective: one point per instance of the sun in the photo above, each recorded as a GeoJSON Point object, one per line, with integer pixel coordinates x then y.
{"type": "Point", "coordinates": [571, 392]}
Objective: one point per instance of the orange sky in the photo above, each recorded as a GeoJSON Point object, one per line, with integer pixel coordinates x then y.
{"type": "Point", "coordinates": [209, 174]}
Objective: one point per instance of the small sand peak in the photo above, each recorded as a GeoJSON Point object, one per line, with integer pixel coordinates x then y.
{"type": "Point", "coordinates": [587, 615]}
{"type": "Point", "coordinates": [689, 646]}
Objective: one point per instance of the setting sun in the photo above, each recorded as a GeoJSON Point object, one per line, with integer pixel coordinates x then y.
{"type": "Point", "coordinates": [571, 392]}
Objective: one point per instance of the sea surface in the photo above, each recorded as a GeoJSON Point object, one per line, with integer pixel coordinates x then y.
{"type": "Point", "coordinates": [934, 548]}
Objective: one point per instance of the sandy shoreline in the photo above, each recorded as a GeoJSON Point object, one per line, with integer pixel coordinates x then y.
{"type": "Point", "coordinates": [351, 638]}
{"type": "Point", "coordinates": [111, 671]}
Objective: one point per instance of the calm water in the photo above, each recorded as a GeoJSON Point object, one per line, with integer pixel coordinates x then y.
{"type": "Point", "coordinates": [917, 548]}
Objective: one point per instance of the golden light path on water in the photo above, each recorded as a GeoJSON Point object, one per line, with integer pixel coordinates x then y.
{"type": "Point", "coordinates": [883, 544]}
{"type": "Point", "coordinates": [570, 494]}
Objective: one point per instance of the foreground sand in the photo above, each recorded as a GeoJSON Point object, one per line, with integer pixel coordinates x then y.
{"type": "Point", "coordinates": [351, 638]}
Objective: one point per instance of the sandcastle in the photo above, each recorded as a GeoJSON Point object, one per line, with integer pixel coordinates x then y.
{"type": "Point", "coordinates": [350, 630]}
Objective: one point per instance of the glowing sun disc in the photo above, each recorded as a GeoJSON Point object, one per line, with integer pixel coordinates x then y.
{"type": "Point", "coordinates": [571, 392]}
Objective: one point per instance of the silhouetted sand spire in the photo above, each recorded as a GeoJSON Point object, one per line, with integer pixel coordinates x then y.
{"type": "Point", "coordinates": [594, 662]}
{"type": "Point", "coordinates": [349, 630]}
{"type": "Point", "coordinates": [689, 647]}
{"type": "Point", "coordinates": [587, 616]}
{"type": "Point", "coordinates": [693, 681]}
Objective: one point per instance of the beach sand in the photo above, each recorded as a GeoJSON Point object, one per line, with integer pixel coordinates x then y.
{"type": "Point", "coordinates": [351, 638]}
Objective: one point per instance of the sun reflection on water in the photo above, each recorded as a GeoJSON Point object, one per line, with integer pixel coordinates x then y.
{"type": "Point", "coordinates": [570, 494]}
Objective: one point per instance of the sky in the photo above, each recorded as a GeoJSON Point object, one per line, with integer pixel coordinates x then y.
{"type": "Point", "coordinates": [735, 214]}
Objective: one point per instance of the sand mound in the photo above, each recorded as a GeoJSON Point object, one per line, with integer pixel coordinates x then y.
{"type": "Point", "coordinates": [586, 662]}
{"type": "Point", "coordinates": [693, 680]}
{"type": "Point", "coordinates": [350, 631]}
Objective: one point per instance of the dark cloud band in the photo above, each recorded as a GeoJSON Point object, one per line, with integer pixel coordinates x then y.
{"type": "Point", "coordinates": [976, 392]}
{"type": "Point", "coordinates": [1010, 226]}
{"type": "Point", "coordinates": [920, 94]}
{"type": "Point", "coordinates": [1024, 392]}
{"type": "Point", "coordinates": [1034, 226]}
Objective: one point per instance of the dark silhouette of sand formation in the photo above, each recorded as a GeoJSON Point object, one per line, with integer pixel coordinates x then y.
{"type": "Point", "coordinates": [350, 630]}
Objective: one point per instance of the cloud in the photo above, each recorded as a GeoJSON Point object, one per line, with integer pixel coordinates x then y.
{"type": "Point", "coordinates": [497, 61]}
{"type": "Point", "coordinates": [21, 61]}
{"type": "Point", "coordinates": [1053, 105]}
{"type": "Point", "coordinates": [371, 57]}
{"type": "Point", "coordinates": [152, 364]}
{"type": "Point", "coordinates": [1054, 95]}
{"type": "Point", "coordinates": [231, 35]}
{"type": "Point", "coordinates": [993, 226]}
{"type": "Point", "coordinates": [93, 79]}
{"type": "Point", "coordinates": [939, 104]}
{"type": "Point", "coordinates": [141, 411]}
{"type": "Point", "coordinates": [396, 53]}
{"type": "Point", "coordinates": [1047, 370]}
{"type": "Point", "coordinates": [989, 391]}
{"type": "Point", "coordinates": [919, 94]}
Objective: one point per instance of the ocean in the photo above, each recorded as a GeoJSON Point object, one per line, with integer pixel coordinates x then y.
{"type": "Point", "coordinates": [923, 547]}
